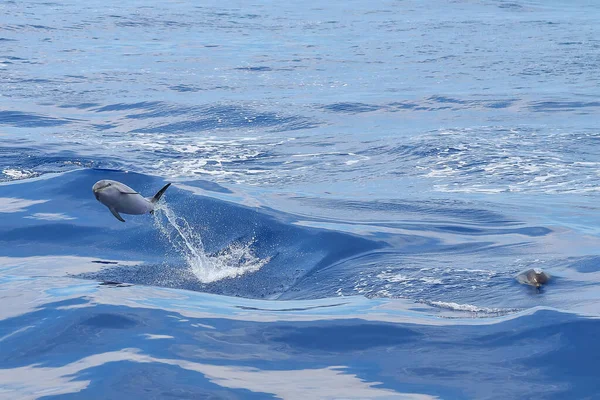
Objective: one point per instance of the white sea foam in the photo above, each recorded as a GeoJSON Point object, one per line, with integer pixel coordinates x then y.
{"type": "Point", "coordinates": [152, 336]}
{"type": "Point", "coordinates": [493, 160]}
{"type": "Point", "coordinates": [234, 261]}
{"type": "Point", "coordinates": [392, 277]}
{"type": "Point", "coordinates": [18, 173]}
{"type": "Point", "coordinates": [471, 308]}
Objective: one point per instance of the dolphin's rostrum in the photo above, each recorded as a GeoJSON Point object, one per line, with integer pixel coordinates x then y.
{"type": "Point", "coordinates": [120, 198]}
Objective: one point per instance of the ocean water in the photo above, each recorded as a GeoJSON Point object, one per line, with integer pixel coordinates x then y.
{"type": "Point", "coordinates": [355, 187]}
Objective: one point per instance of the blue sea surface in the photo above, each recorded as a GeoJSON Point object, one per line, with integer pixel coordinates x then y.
{"type": "Point", "coordinates": [355, 187]}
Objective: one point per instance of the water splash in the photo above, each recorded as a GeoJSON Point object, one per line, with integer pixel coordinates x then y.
{"type": "Point", "coordinates": [235, 260]}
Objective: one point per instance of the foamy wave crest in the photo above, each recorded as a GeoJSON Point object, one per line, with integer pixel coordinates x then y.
{"type": "Point", "coordinates": [471, 308]}
{"type": "Point", "coordinates": [16, 174]}
{"type": "Point", "coordinates": [231, 262]}
{"type": "Point", "coordinates": [496, 159]}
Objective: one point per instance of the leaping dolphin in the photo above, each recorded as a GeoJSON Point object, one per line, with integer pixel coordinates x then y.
{"type": "Point", "coordinates": [120, 198]}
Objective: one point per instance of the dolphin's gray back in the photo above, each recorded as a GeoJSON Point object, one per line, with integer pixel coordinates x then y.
{"type": "Point", "coordinates": [123, 188]}
{"type": "Point", "coordinates": [128, 201]}
{"type": "Point", "coordinates": [133, 204]}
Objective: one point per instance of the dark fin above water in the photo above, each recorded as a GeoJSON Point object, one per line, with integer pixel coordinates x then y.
{"type": "Point", "coordinates": [116, 214]}
{"type": "Point", "coordinates": [159, 194]}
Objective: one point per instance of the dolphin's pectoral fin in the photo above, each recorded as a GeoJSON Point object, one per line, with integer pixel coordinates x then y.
{"type": "Point", "coordinates": [116, 214]}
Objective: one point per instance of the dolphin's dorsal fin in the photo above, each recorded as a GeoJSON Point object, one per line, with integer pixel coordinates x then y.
{"type": "Point", "coordinates": [158, 195]}
{"type": "Point", "coordinates": [116, 214]}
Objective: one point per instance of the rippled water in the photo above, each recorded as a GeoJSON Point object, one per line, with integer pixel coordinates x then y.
{"type": "Point", "coordinates": [356, 186]}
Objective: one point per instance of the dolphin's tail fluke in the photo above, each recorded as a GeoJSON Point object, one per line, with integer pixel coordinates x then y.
{"type": "Point", "coordinates": [159, 194]}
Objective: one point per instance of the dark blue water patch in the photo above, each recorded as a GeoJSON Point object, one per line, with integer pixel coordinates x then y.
{"type": "Point", "coordinates": [110, 321]}
{"type": "Point", "coordinates": [444, 99]}
{"type": "Point", "coordinates": [152, 381]}
{"type": "Point", "coordinates": [571, 365]}
{"type": "Point", "coordinates": [52, 233]}
{"type": "Point", "coordinates": [500, 104]}
{"type": "Point", "coordinates": [510, 6]}
{"type": "Point", "coordinates": [144, 105]}
{"type": "Point", "coordinates": [185, 88]}
{"type": "Point", "coordinates": [533, 231]}
{"type": "Point", "coordinates": [37, 81]}
{"type": "Point", "coordinates": [461, 104]}
{"type": "Point", "coordinates": [585, 264]}
{"type": "Point", "coordinates": [131, 24]}
{"type": "Point", "coordinates": [154, 22]}
{"type": "Point", "coordinates": [296, 124]}
{"type": "Point", "coordinates": [432, 103]}
{"type": "Point", "coordinates": [290, 309]}
{"type": "Point", "coordinates": [448, 209]}
{"type": "Point", "coordinates": [27, 27]}
{"type": "Point", "coordinates": [351, 108]}
{"type": "Point", "coordinates": [104, 127]}
{"type": "Point", "coordinates": [556, 351]}
{"type": "Point", "coordinates": [29, 120]}
{"type": "Point", "coordinates": [79, 106]}
{"type": "Point", "coordinates": [403, 105]}
{"type": "Point", "coordinates": [561, 106]}
{"type": "Point", "coordinates": [220, 116]}
{"type": "Point", "coordinates": [183, 126]}
{"type": "Point", "coordinates": [358, 336]}
{"type": "Point", "coordinates": [21, 27]}
{"type": "Point", "coordinates": [2, 39]}
{"type": "Point", "coordinates": [254, 69]}
{"type": "Point", "coordinates": [49, 160]}
{"type": "Point", "coordinates": [44, 27]}
{"type": "Point", "coordinates": [164, 110]}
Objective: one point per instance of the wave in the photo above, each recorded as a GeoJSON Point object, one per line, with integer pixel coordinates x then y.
{"type": "Point", "coordinates": [192, 242]}
{"type": "Point", "coordinates": [198, 241]}
{"type": "Point", "coordinates": [481, 311]}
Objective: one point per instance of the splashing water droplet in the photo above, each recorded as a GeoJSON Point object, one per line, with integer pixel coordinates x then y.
{"type": "Point", "coordinates": [235, 260]}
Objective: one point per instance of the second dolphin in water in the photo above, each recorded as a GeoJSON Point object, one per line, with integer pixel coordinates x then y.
{"type": "Point", "coordinates": [534, 277]}
{"type": "Point", "coordinates": [120, 198]}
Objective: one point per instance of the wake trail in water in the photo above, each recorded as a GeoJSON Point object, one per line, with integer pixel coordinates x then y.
{"type": "Point", "coordinates": [235, 260]}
